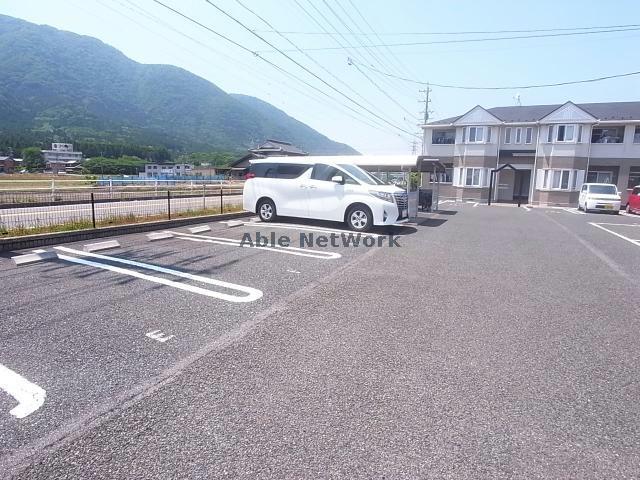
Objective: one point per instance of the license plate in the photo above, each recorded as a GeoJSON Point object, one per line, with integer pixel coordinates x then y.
{"type": "Point", "coordinates": [608, 207]}
{"type": "Point", "coordinates": [405, 212]}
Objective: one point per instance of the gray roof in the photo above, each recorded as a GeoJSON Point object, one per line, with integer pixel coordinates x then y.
{"type": "Point", "coordinates": [279, 146]}
{"type": "Point", "coordinates": [532, 113]}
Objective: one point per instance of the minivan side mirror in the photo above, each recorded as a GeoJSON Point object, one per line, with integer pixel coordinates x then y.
{"type": "Point", "coordinates": [338, 179]}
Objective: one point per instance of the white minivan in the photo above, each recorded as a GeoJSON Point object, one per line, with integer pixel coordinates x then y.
{"type": "Point", "coordinates": [318, 188]}
{"type": "Point", "coordinates": [599, 196]}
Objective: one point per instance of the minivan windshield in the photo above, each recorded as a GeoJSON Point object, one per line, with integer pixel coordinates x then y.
{"type": "Point", "coordinates": [603, 189]}
{"type": "Point", "coordinates": [360, 175]}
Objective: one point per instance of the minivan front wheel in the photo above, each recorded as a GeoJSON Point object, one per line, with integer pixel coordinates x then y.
{"type": "Point", "coordinates": [266, 210]}
{"type": "Point", "coordinates": [359, 218]}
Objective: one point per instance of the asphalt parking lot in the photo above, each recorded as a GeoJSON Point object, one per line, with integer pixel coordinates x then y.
{"type": "Point", "coordinates": [494, 342]}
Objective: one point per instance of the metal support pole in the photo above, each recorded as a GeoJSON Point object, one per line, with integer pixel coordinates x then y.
{"type": "Point", "coordinates": [93, 211]}
{"type": "Point", "coordinates": [220, 197]}
{"type": "Point", "coordinates": [490, 187]}
{"type": "Point", "coordinates": [169, 204]}
{"type": "Point", "coordinates": [204, 198]}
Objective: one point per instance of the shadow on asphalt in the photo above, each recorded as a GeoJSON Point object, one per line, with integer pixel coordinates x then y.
{"type": "Point", "coordinates": [380, 230]}
{"type": "Point", "coordinates": [446, 212]}
{"type": "Point", "coordinates": [431, 222]}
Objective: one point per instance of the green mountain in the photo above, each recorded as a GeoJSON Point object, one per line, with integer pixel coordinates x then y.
{"type": "Point", "coordinates": [63, 86]}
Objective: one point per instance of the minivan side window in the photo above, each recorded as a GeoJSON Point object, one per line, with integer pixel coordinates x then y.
{"type": "Point", "coordinates": [584, 188]}
{"type": "Point", "coordinates": [267, 170]}
{"type": "Point", "coordinates": [324, 172]}
{"type": "Point", "coordinates": [291, 170]}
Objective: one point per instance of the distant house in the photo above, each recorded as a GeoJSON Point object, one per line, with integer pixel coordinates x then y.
{"type": "Point", "coordinates": [8, 164]}
{"type": "Point", "coordinates": [167, 169]}
{"type": "Point", "coordinates": [61, 158]}
{"type": "Point", "coordinates": [270, 148]}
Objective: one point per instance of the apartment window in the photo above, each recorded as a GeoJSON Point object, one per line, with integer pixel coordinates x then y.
{"type": "Point", "coordinates": [518, 135]}
{"type": "Point", "coordinates": [476, 135]}
{"type": "Point", "coordinates": [565, 133]}
{"type": "Point", "coordinates": [507, 135]}
{"type": "Point", "coordinates": [608, 134]}
{"type": "Point", "coordinates": [594, 176]}
{"type": "Point", "coordinates": [472, 177]}
{"type": "Point", "coordinates": [634, 175]}
{"type": "Point", "coordinates": [442, 177]}
{"type": "Point", "coordinates": [550, 134]}
{"type": "Point", "coordinates": [636, 135]}
{"type": "Point", "coordinates": [528, 135]}
{"type": "Point", "coordinates": [579, 139]}
{"type": "Point", "coordinates": [559, 179]}
{"type": "Point", "coordinates": [443, 137]}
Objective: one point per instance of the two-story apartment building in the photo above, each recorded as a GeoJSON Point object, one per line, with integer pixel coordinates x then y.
{"type": "Point", "coordinates": [555, 148]}
{"type": "Point", "coordinates": [61, 157]}
{"type": "Point", "coordinates": [167, 169]}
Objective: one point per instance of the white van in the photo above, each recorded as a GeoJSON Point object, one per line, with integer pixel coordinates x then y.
{"type": "Point", "coordinates": [320, 189]}
{"type": "Point", "coordinates": [599, 197]}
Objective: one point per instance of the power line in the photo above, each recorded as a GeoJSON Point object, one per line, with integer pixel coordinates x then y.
{"type": "Point", "coordinates": [403, 68]}
{"type": "Point", "coordinates": [266, 22]}
{"type": "Point", "coordinates": [282, 70]}
{"type": "Point", "coordinates": [301, 66]}
{"type": "Point", "coordinates": [474, 32]}
{"type": "Point", "coordinates": [513, 87]}
{"type": "Point", "coordinates": [139, 10]}
{"type": "Point", "coordinates": [474, 40]}
{"type": "Point", "coordinates": [373, 56]}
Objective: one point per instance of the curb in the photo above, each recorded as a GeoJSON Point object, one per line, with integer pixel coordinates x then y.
{"type": "Point", "coordinates": [44, 239]}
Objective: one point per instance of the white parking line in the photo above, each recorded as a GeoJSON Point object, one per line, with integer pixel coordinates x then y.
{"type": "Point", "coordinates": [29, 396]}
{"type": "Point", "coordinates": [575, 211]}
{"type": "Point", "coordinates": [252, 294]}
{"type": "Point", "coordinates": [526, 209]}
{"type": "Point", "coordinates": [630, 240]}
{"type": "Point", "coordinates": [302, 252]}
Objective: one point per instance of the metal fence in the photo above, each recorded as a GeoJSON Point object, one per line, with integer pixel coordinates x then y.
{"type": "Point", "coordinates": [37, 211]}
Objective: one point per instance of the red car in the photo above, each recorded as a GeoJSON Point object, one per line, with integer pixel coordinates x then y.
{"type": "Point", "coordinates": [633, 204]}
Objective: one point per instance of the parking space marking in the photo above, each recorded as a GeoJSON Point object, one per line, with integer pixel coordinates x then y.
{"type": "Point", "coordinates": [630, 240]}
{"type": "Point", "coordinates": [29, 396]}
{"type": "Point", "coordinates": [312, 229]}
{"type": "Point", "coordinates": [575, 211]}
{"type": "Point", "coordinates": [252, 294]}
{"type": "Point", "coordinates": [302, 252]}
{"type": "Point", "coordinates": [159, 336]}
{"type": "Point", "coordinates": [526, 209]}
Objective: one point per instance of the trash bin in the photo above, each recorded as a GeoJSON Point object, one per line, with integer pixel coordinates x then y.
{"type": "Point", "coordinates": [425, 198]}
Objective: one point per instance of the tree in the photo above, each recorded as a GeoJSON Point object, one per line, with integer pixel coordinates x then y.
{"type": "Point", "coordinates": [32, 159]}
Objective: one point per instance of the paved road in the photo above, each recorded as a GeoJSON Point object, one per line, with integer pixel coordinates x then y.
{"type": "Point", "coordinates": [494, 343]}
{"type": "Point", "coordinates": [57, 214]}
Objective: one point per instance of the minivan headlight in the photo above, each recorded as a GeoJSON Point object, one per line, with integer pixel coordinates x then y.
{"type": "Point", "coordinates": [386, 196]}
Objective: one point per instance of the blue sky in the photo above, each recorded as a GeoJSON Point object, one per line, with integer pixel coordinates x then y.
{"type": "Point", "coordinates": [129, 26]}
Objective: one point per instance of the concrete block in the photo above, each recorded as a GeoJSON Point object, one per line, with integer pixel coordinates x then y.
{"type": "Point", "coordinates": [93, 247]}
{"type": "Point", "coordinates": [34, 257]}
{"type": "Point", "coordinates": [158, 236]}
{"type": "Point", "coordinates": [200, 229]}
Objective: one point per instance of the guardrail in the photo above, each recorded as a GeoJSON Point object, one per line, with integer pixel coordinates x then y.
{"type": "Point", "coordinates": [23, 213]}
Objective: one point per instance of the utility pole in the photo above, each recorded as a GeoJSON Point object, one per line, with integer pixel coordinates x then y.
{"type": "Point", "coordinates": [427, 101]}
{"type": "Point", "coordinates": [427, 112]}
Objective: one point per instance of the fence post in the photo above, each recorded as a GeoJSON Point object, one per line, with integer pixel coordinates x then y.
{"type": "Point", "coordinates": [93, 211]}
{"type": "Point", "coordinates": [110, 188]}
{"type": "Point", "coordinates": [204, 198]}
{"type": "Point", "coordinates": [169, 204]}
{"type": "Point", "coordinates": [221, 199]}
{"type": "Point", "coordinates": [53, 190]}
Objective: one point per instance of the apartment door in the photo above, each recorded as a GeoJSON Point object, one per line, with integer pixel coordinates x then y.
{"type": "Point", "coordinates": [521, 185]}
